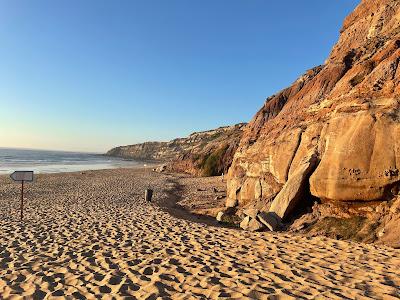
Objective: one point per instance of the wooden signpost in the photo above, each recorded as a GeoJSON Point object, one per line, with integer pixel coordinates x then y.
{"type": "Point", "coordinates": [22, 176]}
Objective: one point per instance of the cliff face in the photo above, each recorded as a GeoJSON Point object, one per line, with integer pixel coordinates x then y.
{"type": "Point", "coordinates": [345, 114]}
{"type": "Point", "coordinates": [202, 153]}
{"type": "Point", "coordinates": [145, 151]}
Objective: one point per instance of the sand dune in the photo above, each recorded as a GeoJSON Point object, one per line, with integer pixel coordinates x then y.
{"type": "Point", "coordinates": [92, 236]}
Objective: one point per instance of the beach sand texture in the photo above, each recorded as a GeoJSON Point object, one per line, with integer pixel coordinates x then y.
{"type": "Point", "coordinates": [91, 235]}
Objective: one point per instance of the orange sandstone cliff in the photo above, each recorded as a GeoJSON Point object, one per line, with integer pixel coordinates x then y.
{"type": "Point", "coordinates": [333, 136]}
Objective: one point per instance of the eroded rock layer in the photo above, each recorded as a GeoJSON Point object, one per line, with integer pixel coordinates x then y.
{"type": "Point", "coordinates": [202, 153]}
{"type": "Point", "coordinates": [346, 113]}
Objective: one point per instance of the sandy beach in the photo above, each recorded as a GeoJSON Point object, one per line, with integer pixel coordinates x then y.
{"type": "Point", "coordinates": [90, 235]}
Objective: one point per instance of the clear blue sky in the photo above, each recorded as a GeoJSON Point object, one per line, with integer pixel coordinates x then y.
{"type": "Point", "coordinates": [89, 75]}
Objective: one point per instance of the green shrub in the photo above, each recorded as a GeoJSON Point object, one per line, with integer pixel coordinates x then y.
{"type": "Point", "coordinates": [210, 165]}
{"type": "Point", "coordinates": [341, 228]}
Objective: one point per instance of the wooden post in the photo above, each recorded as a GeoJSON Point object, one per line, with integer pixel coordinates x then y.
{"type": "Point", "coordinates": [22, 176]}
{"type": "Point", "coordinates": [22, 200]}
{"type": "Point", "coordinates": [148, 194]}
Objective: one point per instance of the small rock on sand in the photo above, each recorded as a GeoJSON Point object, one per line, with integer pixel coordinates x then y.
{"type": "Point", "coordinates": [161, 168]}
{"type": "Point", "coordinates": [245, 223]}
{"type": "Point", "coordinates": [254, 225]}
{"type": "Point", "coordinates": [219, 216]}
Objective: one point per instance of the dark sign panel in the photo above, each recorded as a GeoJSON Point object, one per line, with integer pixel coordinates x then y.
{"type": "Point", "coordinates": [22, 176]}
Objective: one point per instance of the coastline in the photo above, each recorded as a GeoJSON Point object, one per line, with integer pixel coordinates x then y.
{"type": "Point", "coordinates": [91, 234]}
{"type": "Point", "coordinates": [51, 162]}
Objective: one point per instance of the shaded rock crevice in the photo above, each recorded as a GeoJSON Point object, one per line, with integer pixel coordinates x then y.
{"type": "Point", "coordinates": [296, 187]}
{"type": "Point", "coordinates": [294, 154]}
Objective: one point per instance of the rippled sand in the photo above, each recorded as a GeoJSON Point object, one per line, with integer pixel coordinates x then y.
{"type": "Point", "coordinates": [92, 236]}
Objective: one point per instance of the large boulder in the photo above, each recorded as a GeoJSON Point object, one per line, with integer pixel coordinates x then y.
{"type": "Point", "coordinates": [290, 195]}
{"type": "Point", "coordinates": [361, 157]}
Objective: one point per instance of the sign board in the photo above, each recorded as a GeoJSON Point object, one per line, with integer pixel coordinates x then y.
{"type": "Point", "coordinates": [22, 176]}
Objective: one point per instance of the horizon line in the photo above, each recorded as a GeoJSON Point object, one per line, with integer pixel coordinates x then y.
{"type": "Point", "coordinates": [52, 150]}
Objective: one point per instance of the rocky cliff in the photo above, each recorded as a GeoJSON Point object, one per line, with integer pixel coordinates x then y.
{"type": "Point", "coordinates": [333, 136]}
{"type": "Point", "coordinates": [202, 153]}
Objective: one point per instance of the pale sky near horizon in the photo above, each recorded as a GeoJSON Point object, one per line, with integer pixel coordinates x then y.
{"type": "Point", "coordinates": [91, 75]}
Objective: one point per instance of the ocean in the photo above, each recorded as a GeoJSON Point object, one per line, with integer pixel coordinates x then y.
{"type": "Point", "coordinates": [43, 161]}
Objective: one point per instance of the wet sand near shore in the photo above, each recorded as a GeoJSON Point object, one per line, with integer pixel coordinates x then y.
{"type": "Point", "coordinates": [91, 235]}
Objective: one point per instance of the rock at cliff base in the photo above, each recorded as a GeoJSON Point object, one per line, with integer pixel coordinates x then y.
{"type": "Point", "coordinates": [251, 212]}
{"type": "Point", "coordinates": [231, 202]}
{"type": "Point", "coordinates": [270, 220]}
{"type": "Point", "coordinates": [245, 223]}
{"type": "Point", "coordinates": [255, 225]}
{"type": "Point", "coordinates": [161, 169]}
{"type": "Point", "coordinates": [290, 195]}
{"type": "Point", "coordinates": [219, 216]}
{"type": "Point", "coordinates": [360, 159]}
